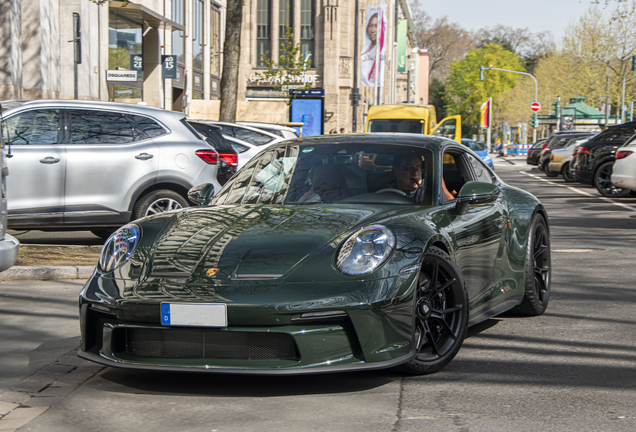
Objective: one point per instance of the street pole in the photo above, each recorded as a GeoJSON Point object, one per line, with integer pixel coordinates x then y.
{"type": "Point", "coordinates": [355, 95]}
{"type": "Point", "coordinates": [623, 101]}
{"type": "Point", "coordinates": [536, 91]}
{"type": "Point", "coordinates": [378, 60]}
{"type": "Point", "coordinates": [489, 133]}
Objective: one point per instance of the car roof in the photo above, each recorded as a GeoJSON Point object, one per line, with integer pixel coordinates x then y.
{"type": "Point", "coordinates": [71, 103]}
{"type": "Point", "coordinates": [269, 125]}
{"type": "Point", "coordinates": [397, 139]}
{"type": "Point", "coordinates": [239, 125]}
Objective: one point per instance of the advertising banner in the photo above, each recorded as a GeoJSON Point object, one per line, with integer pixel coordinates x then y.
{"type": "Point", "coordinates": [485, 119]}
{"type": "Point", "coordinates": [402, 30]}
{"type": "Point", "coordinates": [169, 66]}
{"type": "Point", "coordinates": [373, 46]}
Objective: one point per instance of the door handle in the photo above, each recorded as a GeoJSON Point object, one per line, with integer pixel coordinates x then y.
{"type": "Point", "coordinates": [144, 156]}
{"type": "Point", "coordinates": [49, 160]}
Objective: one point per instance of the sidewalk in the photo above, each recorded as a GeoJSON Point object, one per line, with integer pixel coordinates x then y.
{"type": "Point", "coordinates": [52, 262]}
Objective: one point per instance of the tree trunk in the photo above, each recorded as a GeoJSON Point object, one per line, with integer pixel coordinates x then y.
{"type": "Point", "coordinates": [231, 58]}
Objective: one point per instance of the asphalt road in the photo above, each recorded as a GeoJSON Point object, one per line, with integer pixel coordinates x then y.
{"type": "Point", "coordinates": [572, 369]}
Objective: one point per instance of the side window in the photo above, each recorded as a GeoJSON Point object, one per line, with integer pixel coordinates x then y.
{"type": "Point", "coordinates": [251, 137]}
{"type": "Point", "coordinates": [35, 127]}
{"type": "Point", "coordinates": [100, 127]}
{"type": "Point", "coordinates": [240, 147]}
{"type": "Point", "coordinates": [455, 173]}
{"type": "Point", "coordinates": [482, 173]}
{"type": "Point", "coordinates": [150, 127]}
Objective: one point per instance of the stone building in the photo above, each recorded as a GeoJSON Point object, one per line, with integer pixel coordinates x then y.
{"type": "Point", "coordinates": [37, 50]}
{"type": "Point", "coordinates": [122, 47]}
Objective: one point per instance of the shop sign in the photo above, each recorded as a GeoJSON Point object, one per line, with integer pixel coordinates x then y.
{"type": "Point", "coordinates": [197, 82]}
{"type": "Point", "coordinates": [136, 62]}
{"type": "Point", "coordinates": [301, 80]}
{"type": "Point", "coordinates": [169, 66]}
{"type": "Point", "coordinates": [215, 86]}
{"type": "Point", "coordinates": [310, 92]}
{"type": "Point", "coordinates": [121, 75]}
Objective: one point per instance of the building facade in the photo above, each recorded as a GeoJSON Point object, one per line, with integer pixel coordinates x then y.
{"type": "Point", "coordinates": [37, 52]}
{"type": "Point", "coordinates": [122, 49]}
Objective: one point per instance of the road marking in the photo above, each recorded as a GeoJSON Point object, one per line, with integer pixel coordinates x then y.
{"type": "Point", "coordinates": [579, 191]}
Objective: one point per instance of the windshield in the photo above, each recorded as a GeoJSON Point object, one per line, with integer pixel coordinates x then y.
{"type": "Point", "coordinates": [333, 173]}
{"type": "Point", "coordinates": [397, 125]}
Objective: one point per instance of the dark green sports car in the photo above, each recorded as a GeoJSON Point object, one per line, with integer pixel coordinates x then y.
{"type": "Point", "coordinates": [323, 254]}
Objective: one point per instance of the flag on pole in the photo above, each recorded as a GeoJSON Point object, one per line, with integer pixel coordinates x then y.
{"type": "Point", "coordinates": [485, 119]}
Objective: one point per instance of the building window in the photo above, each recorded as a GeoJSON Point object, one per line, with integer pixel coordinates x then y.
{"type": "Point", "coordinates": [178, 39]}
{"type": "Point", "coordinates": [285, 19]}
{"type": "Point", "coordinates": [124, 42]}
{"type": "Point", "coordinates": [197, 34]}
{"type": "Point", "coordinates": [307, 29]}
{"type": "Point", "coordinates": [263, 33]}
{"type": "Point", "coordinates": [215, 42]}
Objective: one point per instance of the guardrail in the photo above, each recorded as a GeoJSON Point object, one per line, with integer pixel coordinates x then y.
{"type": "Point", "coordinates": [517, 149]}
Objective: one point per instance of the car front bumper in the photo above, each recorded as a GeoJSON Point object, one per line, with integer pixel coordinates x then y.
{"type": "Point", "coordinates": [373, 331]}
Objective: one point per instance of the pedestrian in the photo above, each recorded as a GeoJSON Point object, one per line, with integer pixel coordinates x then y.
{"type": "Point", "coordinates": [342, 130]}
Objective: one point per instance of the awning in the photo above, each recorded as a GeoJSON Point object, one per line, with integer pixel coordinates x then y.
{"type": "Point", "coordinates": [143, 15]}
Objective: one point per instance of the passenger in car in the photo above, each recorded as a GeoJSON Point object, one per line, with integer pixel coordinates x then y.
{"type": "Point", "coordinates": [328, 184]}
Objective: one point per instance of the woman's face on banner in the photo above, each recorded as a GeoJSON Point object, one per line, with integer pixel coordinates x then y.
{"type": "Point", "coordinates": [372, 28]}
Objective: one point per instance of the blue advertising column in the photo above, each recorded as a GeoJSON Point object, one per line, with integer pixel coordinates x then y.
{"type": "Point", "coordinates": [307, 107]}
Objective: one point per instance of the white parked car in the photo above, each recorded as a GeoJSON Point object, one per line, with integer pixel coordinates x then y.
{"type": "Point", "coordinates": [245, 133]}
{"type": "Point", "coordinates": [285, 132]}
{"type": "Point", "coordinates": [624, 170]}
{"type": "Point", "coordinates": [246, 151]}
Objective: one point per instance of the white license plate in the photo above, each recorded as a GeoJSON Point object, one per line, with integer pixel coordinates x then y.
{"type": "Point", "coordinates": [187, 314]}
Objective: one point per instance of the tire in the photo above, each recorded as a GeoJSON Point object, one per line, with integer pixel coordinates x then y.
{"type": "Point", "coordinates": [158, 201]}
{"type": "Point", "coordinates": [546, 170]}
{"type": "Point", "coordinates": [565, 173]}
{"type": "Point", "coordinates": [538, 270]}
{"type": "Point", "coordinates": [103, 233]}
{"type": "Point", "coordinates": [603, 182]}
{"type": "Point", "coordinates": [438, 336]}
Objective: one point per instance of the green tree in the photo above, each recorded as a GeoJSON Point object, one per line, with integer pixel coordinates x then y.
{"type": "Point", "coordinates": [289, 72]}
{"type": "Point", "coordinates": [436, 97]}
{"type": "Point", "coordinates": [465, 92]}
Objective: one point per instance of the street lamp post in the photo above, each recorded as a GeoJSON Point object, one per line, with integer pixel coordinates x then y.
{"type": "Point", "coordinates": [536, 91]}
{"type": "Point", "coordinates": [355, 94]}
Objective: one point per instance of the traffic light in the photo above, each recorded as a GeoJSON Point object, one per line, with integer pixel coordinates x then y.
{"type": "Point", "coordinates": [634, 62]}
{"type": "Point", "coordinates": [325, 119]}
{"type": "Point", "coordinates": [535, 120]}
{"type": "Point", "coordinates": [481, 73]}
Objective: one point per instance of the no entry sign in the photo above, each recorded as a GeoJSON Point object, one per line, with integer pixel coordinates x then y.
{"type": "Point", "coordinates": [535, 106]}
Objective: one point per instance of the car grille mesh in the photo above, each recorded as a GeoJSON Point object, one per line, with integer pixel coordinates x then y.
{"type": "Point", "coordinates": [176, 343]}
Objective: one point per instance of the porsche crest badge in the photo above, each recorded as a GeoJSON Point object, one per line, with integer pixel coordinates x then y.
{"type": "Point", "coordinates": [211, 272]}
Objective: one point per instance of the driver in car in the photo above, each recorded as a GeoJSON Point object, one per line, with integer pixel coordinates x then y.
{"type": "Point", "coordinates": [407, 169]}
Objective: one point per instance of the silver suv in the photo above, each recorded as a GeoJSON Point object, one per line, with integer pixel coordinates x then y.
{"type": "Point", "coordinates": [9, 246]}
{"type": "Point", "coordinates": [97, 165]}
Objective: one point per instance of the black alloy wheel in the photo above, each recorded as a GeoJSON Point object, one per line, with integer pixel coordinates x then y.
{"type": "Point", "coordinates": [546, 169]}
{"type": "Point", "coordinates": [441, 314]}
{"type": "Point", "coordinates": [603, 182]}
{"type": "Point", "coordinates": [565, 172]}
{"type": "Point", "coordinates": [538, 270]}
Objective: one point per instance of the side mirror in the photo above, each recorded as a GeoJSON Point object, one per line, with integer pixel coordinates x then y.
{"type": "Point", "coordinates": [201, 194]}
{"type": "Point", "coordinates": [475, 193]}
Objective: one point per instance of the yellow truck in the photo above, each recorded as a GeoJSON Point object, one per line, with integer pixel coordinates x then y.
{"type": "Point", "coordinates": [409, 118]}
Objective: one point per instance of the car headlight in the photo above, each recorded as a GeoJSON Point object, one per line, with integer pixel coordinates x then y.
{"type": "Point", "coordinates": [118, 248]}
{"type": "Point", "coordinates": [366, 250]}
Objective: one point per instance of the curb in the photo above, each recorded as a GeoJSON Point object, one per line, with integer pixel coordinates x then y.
{"type": "Point", "coordinates": [46, 273]}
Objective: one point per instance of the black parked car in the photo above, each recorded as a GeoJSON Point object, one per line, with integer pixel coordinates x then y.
{"type": "Point", "coordinates": [228, 156]}
{"type": "Point", "coordinates": [594, 159]}
{"type": "Point", "coordinates": [533, 152]}
{"type": "Point", "coordinates": [558, 140]}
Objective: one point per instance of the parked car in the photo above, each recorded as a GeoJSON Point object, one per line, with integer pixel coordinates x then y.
{"type": "Point", "coordinates": [228, 156]}
{"type": "Point", "coordinates": [245, 133]}
{"type": "Point", "coordinates": [9, 245]}
{"type": "Point", "coordinates": [560, 159]}
{"type": "Point", "coordinates": [594, 160]}
{"type": "Point", "coordinates": [624, 169]}
{"type": "Point", "coordinates": [309, 260]}
{"type": "Point", "coordinates": [532, 157]}
{"type": "Point", "coordinates": [285, 132]}
{"type": "Point", "coordinates": [245, 150]}
{"type": "Point", "coordinates": [479, 149]}
{"type": "Point", "coordinates": [98, 165]}
{"type": "Point", "coordinates": [556, 141]}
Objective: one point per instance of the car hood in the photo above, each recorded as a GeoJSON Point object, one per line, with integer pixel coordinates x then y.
{"type": "Point", "coordinates": [232, 243]}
